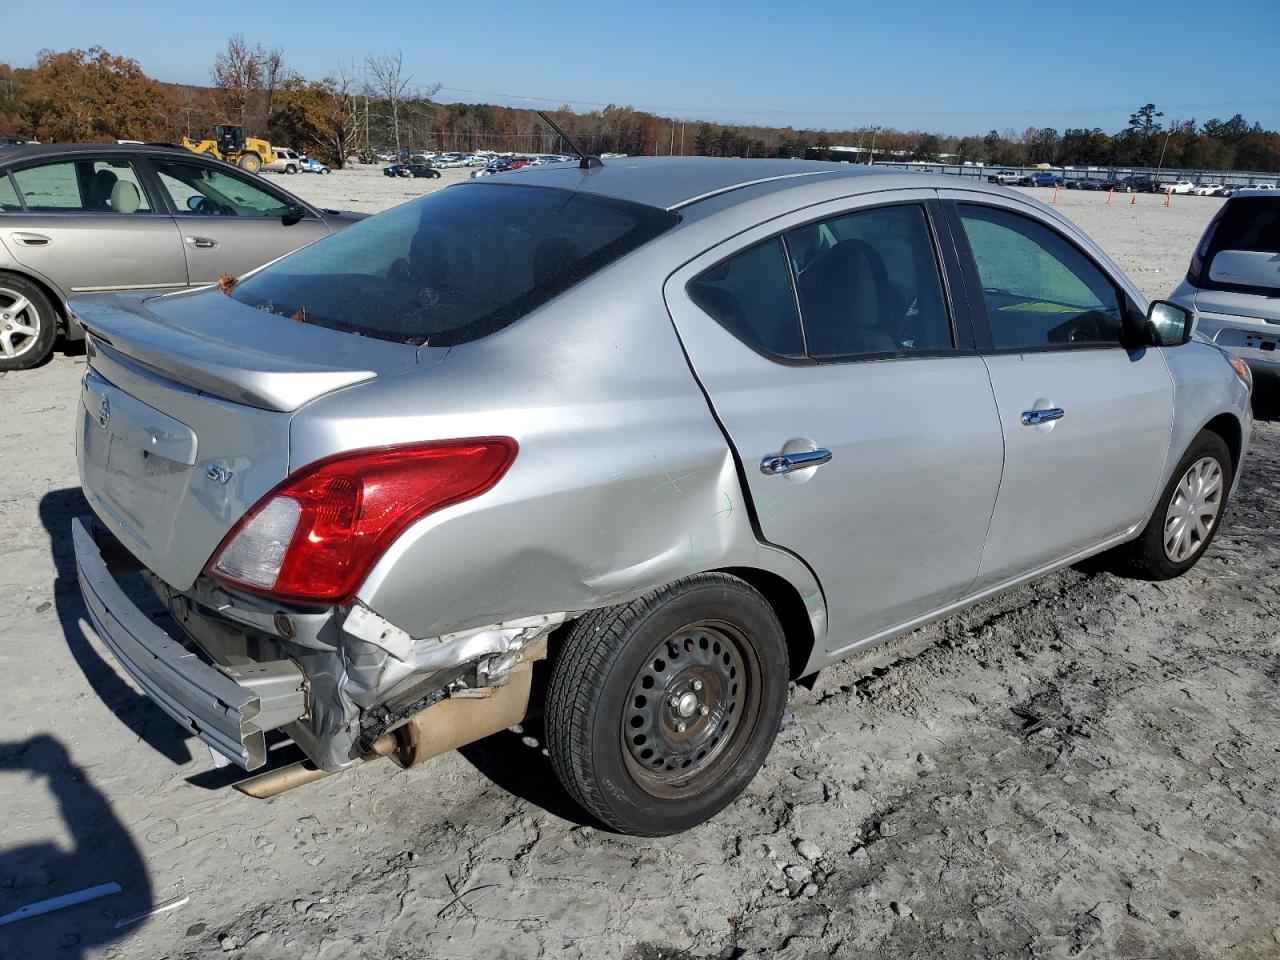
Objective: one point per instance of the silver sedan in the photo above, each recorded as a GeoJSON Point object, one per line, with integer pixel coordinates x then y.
{"type": "Point", "coordinates": [631, 445]}
{"type": "Point", "coordinates": [76, 218]}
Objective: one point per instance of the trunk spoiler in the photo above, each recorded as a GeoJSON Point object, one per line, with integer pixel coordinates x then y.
{"type": "Point", "coordinates": [180, 344]}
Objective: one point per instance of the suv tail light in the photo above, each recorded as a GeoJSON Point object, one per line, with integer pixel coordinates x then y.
{"type": "Point", "coordinates": [315, 537]}
{"type": "Point", "coordinates": [1196, 269]}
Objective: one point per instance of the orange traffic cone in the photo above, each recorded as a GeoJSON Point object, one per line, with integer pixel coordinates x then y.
{"type": "Point", "coordinates": [1110, 194]}
{"type": "Point", "coordinates": [1168, 198]}
{"type": "Point", "coordinates": [1055, 193]}
{"type": "Point", "coordinates": [1133, 198]}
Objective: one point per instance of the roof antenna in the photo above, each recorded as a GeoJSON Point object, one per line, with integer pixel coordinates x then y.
{"type": "Point", "coordinates": [585, 162]}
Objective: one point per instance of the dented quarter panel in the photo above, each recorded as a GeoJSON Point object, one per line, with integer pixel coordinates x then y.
{"type": "Point", "coordinates": [624, 481]}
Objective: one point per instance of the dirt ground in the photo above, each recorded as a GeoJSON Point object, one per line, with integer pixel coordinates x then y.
{"type": "Point", "coordinates": [1085, 767]}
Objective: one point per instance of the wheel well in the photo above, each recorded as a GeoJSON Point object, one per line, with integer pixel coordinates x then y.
{"type": "Point", "coordinates": [1228, 428]}
{"type": "Point", "coordinates": [791, 610]}
{"type": "Point", "coordinates": [54, 297]}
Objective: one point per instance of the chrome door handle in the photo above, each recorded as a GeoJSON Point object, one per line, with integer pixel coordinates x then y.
{"type": "Point", "coordinates": [776, 463]}
{"type": "Point", "coordinates": [31, 239]}
{"type": "Point", "coordinates": [204, 243]}
{"type": "Point", "coordinates": [1033, 418]}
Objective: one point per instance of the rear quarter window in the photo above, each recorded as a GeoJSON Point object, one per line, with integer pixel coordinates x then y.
{"type": "Point", "coordinates": [455, 265]}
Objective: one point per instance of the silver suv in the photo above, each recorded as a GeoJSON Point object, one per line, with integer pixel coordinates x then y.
{"type": "Point", "coordinates": [629, 445]}
{"type": "Point", "coordinates": [1233, 283]}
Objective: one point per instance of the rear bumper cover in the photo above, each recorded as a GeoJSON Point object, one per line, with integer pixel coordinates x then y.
{"type": "Point", "coordinates": [229, 708]}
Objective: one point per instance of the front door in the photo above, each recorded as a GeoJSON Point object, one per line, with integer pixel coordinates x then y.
{"type": "Point", "coordinates": [230, 221]}
{"type": "Point", "coordinates": [835, 337]}
{"type": "Point", "coordinates": [1086, 421]}
{"type": "Point", "coordinates": [88, 224]}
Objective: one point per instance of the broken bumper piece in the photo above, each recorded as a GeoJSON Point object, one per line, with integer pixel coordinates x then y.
{"type": "Point", "coordinates": [230, 709]}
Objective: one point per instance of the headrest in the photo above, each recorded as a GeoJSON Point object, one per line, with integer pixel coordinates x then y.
{"type": "Point", "coordinates": [125, 198]}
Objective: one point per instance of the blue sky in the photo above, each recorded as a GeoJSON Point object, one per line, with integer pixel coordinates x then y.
{"type": "Point", "coordinates": [960, 67]}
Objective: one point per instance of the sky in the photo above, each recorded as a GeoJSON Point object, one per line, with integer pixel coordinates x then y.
{"type": "Point", "coordinates": [958, 67]}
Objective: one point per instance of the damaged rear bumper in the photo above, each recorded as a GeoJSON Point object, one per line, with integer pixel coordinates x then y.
{"type": "Point", "coordinates": [229, 708]}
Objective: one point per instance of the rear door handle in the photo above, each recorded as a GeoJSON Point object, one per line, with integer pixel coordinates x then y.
{"type": "Point", "coordinates": [1033, 418]}
{"type": "Point", "coordinates": [776, 463]}
{"type": "Point", "coordinates": [204, 243]}
{"type": "Point", "coordinates": [31, 239]}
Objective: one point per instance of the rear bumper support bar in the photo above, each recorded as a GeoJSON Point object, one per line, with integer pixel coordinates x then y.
{"type": "Point", "coordinates": [228, 708]}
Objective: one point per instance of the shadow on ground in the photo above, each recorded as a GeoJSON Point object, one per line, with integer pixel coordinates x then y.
{"type": "Point", "coordinates": [102, 852]}
{"type": "Point", "coordinates": [144, 719]}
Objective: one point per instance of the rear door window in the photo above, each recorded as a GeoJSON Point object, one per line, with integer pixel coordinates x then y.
{"type": "Point", "coordinates": [8, 195]}
{"type": "Point", "coordinates": [83, 186]}
{"type": "Point", "coordinates": [869, 283]}
{"type": "Point", "coordinates": [750, 294]}
{"type": "Point", "coordinates": [1248, 230]}
{"type": "Point", "coordinates": [455, 265]}
{"type": "Point", "coordinates": [1040, 290]}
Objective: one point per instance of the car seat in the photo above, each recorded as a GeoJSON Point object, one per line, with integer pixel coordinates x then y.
{"type": "Point", "coordinates": [100, 187]}
{"type": "Point", "coordinates": [125, 197]}
{"type": "Point", "coordinates": [850, 306]}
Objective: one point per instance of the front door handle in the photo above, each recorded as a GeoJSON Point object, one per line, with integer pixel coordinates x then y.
{"type": "Point", "coordinates": [31, 239]}
{"type": "Point", "coordinates": [204, 243]}
{"type": "Point", "coordinates": [1033, 418]}
{"type": "Point", "coordinates": [776, 463]}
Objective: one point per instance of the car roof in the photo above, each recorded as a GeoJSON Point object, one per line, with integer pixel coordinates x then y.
{"type": "Point", "coordinates": [671, 183]}
{"type": "Point", "coordinates": [34, 151]}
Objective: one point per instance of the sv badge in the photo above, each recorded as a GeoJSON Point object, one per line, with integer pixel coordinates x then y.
{"type": "Point", "coordinates": [217, 473]}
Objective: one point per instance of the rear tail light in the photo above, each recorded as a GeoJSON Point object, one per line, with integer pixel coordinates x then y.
{"type": "Point", "coordinates": [1196, 270]}
{"type": "Point", "coordinates": [316, 536]}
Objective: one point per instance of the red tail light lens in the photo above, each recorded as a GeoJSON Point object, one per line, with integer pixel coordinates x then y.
{"type": "Point", "coordinates": [1195, 271]}
{"type": "Point", "coordinates": [316, 536]}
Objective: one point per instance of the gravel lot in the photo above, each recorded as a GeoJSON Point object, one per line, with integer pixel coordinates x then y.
{"type": "Point", "coordinates": [1085, 767]}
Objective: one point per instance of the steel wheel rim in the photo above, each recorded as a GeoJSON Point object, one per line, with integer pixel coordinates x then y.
{"type": "Point", "coordinates": [19, 324]}
{"type": "Point", "coordinates": [1194, 509]}
{"type": "Point", "coordinates": [718, 716]}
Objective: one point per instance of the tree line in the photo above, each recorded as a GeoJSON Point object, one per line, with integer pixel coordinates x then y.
{"type": "Point", "coordinates": [376, 103]}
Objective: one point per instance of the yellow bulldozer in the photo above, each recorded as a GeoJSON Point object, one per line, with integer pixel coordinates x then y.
{"type": "Point", "coordinates": [230, 144]}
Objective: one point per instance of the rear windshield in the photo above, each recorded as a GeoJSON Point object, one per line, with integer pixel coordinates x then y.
{"type": "Point", "coordinates": [1250, 224]}
{"type": "Point", "coordinates": [455, 265]}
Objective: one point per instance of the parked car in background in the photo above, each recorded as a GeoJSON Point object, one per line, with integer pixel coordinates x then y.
{"type": "Point", "coordinates": [1007, 178]}
{"type": "Point", "coordinates": [501, 165]}
{"type": "Point", "coordinates": [1088, 183]}
{"type": "Point", "coordinates": [418, 170]}
{"type": "Point", "coordinates": [1136, 184]}
{"type": "Point", "coordinates": [1041, 178]}
{"type": "Point", "coordinates": [363, 538]}
{"type": "Point", "coordinates": [1179, 186]}
{"type": "Point", "coordinates": [1208, 190]}
{"type": "Point", "coordinates": [311, 165]}
{"type": "Point", "coordinates": [1233, 282]}
{"type": "Point", "coordinates": [286, 161]}
{"type": "Point", "coordinates": [75, 218]}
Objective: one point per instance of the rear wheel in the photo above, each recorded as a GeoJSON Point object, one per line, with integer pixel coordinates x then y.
{"type": "Point", "coordinates": [28, 324]}
{"type": "Point", "coordinates": [250, 162]}
{"type": "Point", "coordinates": [660, 712]}
{"type": "Point", "coordinates": [1187, 515]}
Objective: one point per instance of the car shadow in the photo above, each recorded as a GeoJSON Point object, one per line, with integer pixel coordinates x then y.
{"type": "Point", "coordinates": [135, 710]}
{"type": "Point", "coordinates": [516, 760]}
{"type": "Point", "coordinates": [102, 852]}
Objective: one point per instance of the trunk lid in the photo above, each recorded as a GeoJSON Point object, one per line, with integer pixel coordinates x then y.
{"type": "Point", "coordinates": [183, 423]}
{"type": "Point", "coordinates": [1230, 303]}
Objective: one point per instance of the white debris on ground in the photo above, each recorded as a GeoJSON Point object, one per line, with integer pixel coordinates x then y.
{"type": "Point", "coordinates": [1085, 767]}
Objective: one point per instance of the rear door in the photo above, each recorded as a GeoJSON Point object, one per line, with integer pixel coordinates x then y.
{"type": "Point", "coordinates": [1086, 421]}
{"type": "Point", "coordinates": [877, 397]}
{"type": "Point", "coordinates": [88, 223]}
{"type": "Point", "coordinates": [230, 222]}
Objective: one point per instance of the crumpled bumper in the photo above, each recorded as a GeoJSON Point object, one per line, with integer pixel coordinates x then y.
{"type": "Point", "coordinates": [229, 708]}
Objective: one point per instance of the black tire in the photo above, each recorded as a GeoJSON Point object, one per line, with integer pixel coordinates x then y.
{"type": "Point", "coordinates": [618, 749]}
{"type": "Point", "coordinates": [290, 169]}
{"type": "Point", "coordinates": [20, 350]}
{"type": "Point", "coordinates": [1147, 557]}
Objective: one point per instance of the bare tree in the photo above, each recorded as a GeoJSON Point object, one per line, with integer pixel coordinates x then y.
{"type": "Point", "coordinates": [275, 74]}
{"type": "Point", "coordinates": [237, 72]}
{"type": "Point", "coordinates": [389, 82]}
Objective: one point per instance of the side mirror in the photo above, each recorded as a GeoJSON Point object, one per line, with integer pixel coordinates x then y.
{"type": "Point", "coordinates": [292, 215]}
{"type": "Point", "coordinates": [1169, 324]}
{"type": "Point", "coordinates": [195, 201]}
